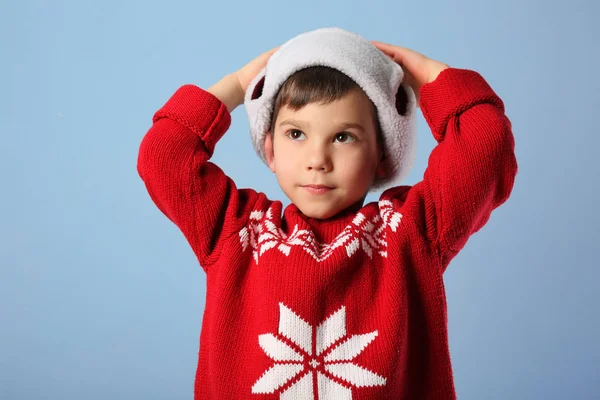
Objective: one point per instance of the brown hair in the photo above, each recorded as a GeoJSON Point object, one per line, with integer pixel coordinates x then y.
{"type": "Point", "coordinates": [314, 85]}
{"type": "Point", "coordinates": [320, 84]}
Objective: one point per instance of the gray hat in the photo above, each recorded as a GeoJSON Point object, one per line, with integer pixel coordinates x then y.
{"type": "Point", "coordinates": [378, 76]}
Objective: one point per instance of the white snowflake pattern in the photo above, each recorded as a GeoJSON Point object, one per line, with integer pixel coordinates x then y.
{"type": "Point", "coordinates": [262, 234]}
{"type": "Point", "coordinates": [326, 364]}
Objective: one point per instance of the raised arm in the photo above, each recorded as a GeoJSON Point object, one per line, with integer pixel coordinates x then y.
{"type": "Point", "coordinates": [472, 169]}
{"type": "Point", "coordinates": [173, 163]}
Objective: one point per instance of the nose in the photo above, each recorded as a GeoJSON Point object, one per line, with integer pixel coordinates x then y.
{"type": "Point", "coordinates": [319, 159]}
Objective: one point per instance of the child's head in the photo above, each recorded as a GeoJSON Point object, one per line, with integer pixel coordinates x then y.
{"type": "Point", "coordinates": [331, 117]}
{"type": "Point", "coordinates": [325, 144]}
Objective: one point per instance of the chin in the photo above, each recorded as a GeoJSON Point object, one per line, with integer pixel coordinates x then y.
{"type": "Point", "coordinates": [321, 212]}
{"type": "Point", "coordinates": [318, 213]}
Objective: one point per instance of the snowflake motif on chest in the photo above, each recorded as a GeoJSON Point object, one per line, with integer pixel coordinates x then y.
{"type": "Point", "coordinates": [305, 359]}
{"type": "Point", "coordinates": [262, 234]}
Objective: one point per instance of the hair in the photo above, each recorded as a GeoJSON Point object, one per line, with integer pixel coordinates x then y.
{"type": "Point", "coordinates": [320, 84]}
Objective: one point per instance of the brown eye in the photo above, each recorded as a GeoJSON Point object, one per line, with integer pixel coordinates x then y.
{"type": "Point", "coordinates": [296, 134]}
{"type": "Point", "coordinates": [344, 138]}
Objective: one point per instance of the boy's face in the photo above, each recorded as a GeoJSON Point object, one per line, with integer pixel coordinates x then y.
{"type": "Point", "coordinates": [325, 156]}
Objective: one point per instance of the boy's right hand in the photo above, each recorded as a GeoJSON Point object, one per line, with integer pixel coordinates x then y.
{"type": "Point", "coordinates": [250, 70]}
{"type": "Point", "coordinates": [231, 89]}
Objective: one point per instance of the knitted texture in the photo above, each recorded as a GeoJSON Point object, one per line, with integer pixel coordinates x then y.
{"type": "Point", "coordinates": [352, 307]}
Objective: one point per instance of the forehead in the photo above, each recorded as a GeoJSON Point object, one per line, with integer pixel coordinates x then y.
{"type": "Point", "coordinates": [354, 107]}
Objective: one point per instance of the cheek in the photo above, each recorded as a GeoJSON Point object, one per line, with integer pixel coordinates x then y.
{"type": "Point", "coordinates": [357, 164]}
{"type": "Point", "coordinates": [286, 158]}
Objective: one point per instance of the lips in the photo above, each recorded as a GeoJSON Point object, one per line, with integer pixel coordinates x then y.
{"type": "Point", "coordinates": [317, 189]}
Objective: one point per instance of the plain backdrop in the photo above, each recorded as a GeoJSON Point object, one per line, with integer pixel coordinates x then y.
{"type": "Point", "coordinates": [101, 296]}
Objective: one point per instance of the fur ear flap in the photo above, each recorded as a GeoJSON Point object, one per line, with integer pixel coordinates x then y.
{"type": "Point", "coordinates": [401, 100]}
{"type": "Point", "coordinates": [258, 89]}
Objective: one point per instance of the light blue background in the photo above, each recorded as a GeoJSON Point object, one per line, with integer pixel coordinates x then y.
{"type": "Point", "coordinates": [100, 295]}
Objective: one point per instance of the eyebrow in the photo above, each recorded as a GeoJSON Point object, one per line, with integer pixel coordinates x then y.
{"type": "Point", "coordinates": [343, 125]}
{"type": "Point", "coordinates": [291, 121]}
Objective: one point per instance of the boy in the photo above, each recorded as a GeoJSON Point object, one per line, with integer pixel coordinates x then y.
{"type": "Point", "coordinates": [333, 299]}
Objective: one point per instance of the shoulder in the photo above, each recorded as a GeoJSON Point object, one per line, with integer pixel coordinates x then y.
{"type": "Point", "coordinates": [396, 194]}
{"type": "Point", "coordinates": [406, 203]}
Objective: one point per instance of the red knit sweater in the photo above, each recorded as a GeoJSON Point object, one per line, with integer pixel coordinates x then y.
{"type": "Point", "coordinates": [352, 307]}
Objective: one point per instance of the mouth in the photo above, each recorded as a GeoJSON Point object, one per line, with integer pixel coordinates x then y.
{"type": "Point", "coordinates": [317, 189]}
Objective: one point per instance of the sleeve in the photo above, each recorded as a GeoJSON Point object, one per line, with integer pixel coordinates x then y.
{"type": "Point", "coordinates": [472, 169]}
{"type": "Point", "coordinates": [193, 193]}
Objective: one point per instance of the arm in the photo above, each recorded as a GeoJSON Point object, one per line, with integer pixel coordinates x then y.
{"type": "Point", "coordinates": [173, 163]}
{"type": "Point", "coordinates": [472, 169]}
{"type": "Point", "coordinates": [229, 91]}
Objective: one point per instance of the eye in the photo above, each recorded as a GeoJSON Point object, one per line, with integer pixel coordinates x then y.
{"type": "Point", "coordinates": [344, 138]}
{"type": "Point", "coordinates": [296, 134]}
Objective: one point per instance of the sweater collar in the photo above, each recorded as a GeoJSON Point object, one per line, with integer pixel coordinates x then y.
{"type": "Point", "coordinates": [324, 229]}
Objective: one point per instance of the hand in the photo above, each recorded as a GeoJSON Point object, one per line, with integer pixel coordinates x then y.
{"type": "Point", "coordinates": [250, 70]}
{"type": "Point", "coordinates": [232, 88]}
{"type": "Point", "coordinates": [418, 69]}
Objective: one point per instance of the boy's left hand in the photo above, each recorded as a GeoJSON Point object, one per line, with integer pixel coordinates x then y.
{"type": "Point", "coordinates": [419, 69]}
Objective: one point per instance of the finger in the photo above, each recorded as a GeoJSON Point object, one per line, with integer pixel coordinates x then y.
{"type": "Point", "coordinates": [397, 53]}
{"type": "Point", "coordinates": [266, 55]}
{"type": "Point", "coordinates": [409, 58]}
{"type": "Point", "coordinates": [406, 58]}
{"type": "Point", "coordinates": [384, 48]}
{"type": "Point", "coordinates": [388, 50]}
{"type": "Point", "coordinates": [261, 60]}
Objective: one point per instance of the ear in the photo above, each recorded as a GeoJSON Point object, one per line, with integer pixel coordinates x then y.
{"type": "Point", "coordinates": [269, 152]}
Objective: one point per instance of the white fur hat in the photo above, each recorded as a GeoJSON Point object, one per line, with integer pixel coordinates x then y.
{"type": "Point", "coordinates": [378, 76]}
